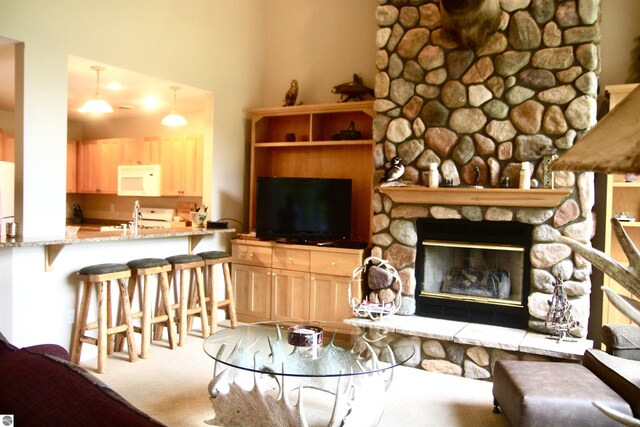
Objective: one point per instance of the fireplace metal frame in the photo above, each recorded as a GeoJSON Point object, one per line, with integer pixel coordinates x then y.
{"type": "Point", "coordinates": [474, 309]}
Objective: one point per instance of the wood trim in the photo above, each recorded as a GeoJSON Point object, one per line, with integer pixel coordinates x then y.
{"type": "Point", "coordinates": [547, 198]}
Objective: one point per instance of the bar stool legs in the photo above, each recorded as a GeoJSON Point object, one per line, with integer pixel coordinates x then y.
{"type": "Point", "coordinates": [100, 276]}
{"type": "Point", "coordinates": [222, 259]}
{"type": "Point", "coordinates": [141, 270]}
{"type": "Point", "coordinates": [187, 306]}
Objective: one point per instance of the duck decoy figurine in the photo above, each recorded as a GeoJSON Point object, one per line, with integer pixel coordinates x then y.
{"type": "Point", "coordinates": [394, 172]}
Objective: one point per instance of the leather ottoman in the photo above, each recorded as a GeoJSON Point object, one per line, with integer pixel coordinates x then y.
{"type": "Point", "coordinates": [552, 394]}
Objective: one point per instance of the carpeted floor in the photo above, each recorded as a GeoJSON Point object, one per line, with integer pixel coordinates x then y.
{"type": "Point", "coordinates": [171, 386]}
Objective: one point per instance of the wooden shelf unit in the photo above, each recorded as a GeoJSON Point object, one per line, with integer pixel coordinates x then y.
{"type": "Point", "coordinates": [314, 153]}
{"type": "Point", "coordinates": [619, 196]}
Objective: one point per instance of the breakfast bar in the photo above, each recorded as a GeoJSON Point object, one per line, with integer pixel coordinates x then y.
{"type": "Point", "coordinates": [53, 246]}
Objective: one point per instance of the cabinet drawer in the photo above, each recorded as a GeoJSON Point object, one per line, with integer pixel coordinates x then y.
{"type": "Point", "coordinates": [339, 263]}
{"type": "Point", "coordinates": [251, 255]}
{"type": "Point", "coordinates": [291, 259]}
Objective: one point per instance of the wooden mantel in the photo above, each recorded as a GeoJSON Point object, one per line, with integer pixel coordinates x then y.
{"type": "Point", "coordinates": [534, 198]}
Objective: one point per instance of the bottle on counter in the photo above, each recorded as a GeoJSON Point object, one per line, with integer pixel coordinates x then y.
{"type": "Point", "coordinates": [434, 176]}
{"type": "Point", "coordinates": [525, 176]}
{"type": "Point", "coordinates": [78, 216]}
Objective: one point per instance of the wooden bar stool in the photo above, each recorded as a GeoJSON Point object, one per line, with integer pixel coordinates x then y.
{"type": "Point", "coordinates": [191, 300]}
{"type": "Point", "coordinates": [211, 260]}
{"type": "Point", "coordinates": [141, 270]}
{"type": "Point", "coordinates": [100, 276]}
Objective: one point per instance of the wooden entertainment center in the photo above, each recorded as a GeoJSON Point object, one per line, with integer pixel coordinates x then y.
{"type": "Point", "coordinates": [280, 281]}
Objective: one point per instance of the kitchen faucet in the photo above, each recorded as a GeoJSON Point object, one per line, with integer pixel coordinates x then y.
{"type": "Point", "coordinates": [136, 216]}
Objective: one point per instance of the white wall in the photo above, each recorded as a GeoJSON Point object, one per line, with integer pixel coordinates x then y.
{"type": "Point", "coordinates": [620, 43]}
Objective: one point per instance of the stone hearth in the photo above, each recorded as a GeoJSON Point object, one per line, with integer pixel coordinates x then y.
{"type": "Point", "coordinates": [467, 349]}
{"type": "Point", "coordinates": [524, 95]}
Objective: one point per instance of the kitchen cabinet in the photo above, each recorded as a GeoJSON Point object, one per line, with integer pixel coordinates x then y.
{"type": "Point", "coordinates": [72, 172]}
{"type": "Point", "coordinates": [98, 162]}
{"type": "Point", "coordinates": [278, 281]}
{"type": "Point", "coordinates": [141, 151]}
{"type": "Point", "coordinates": [181, 160]}
{"type": "Point", "coordinates": [304, 141]}
{"type": "Point", "coordinates": [7, 147]}
{"type": "Point", "coordinates": [617, 195]}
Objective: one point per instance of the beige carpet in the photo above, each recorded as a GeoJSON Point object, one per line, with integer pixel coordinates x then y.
{"type": "Point", "coordinates": [171, 386]}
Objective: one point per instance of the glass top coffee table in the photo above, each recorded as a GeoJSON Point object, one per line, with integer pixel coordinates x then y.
{"type": "Point", "coordinates": [272, 370]}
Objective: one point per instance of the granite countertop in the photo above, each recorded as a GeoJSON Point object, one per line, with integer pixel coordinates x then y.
{"type": "Point", "coordinates": [88, 234]}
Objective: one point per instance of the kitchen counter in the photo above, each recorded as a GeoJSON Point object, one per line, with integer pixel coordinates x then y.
{"type": "Point", "coordinates": [88, 235]}
{"type": "Point", "coordinates": [53, 244]}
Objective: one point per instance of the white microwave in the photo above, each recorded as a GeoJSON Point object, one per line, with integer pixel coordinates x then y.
{"type": "Point", "coordinates": [140, 180]}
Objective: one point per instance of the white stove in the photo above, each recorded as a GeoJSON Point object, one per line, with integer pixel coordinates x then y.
{"type": "Point", "coordinates": [156, 217]}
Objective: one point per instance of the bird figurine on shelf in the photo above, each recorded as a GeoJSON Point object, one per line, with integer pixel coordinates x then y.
{"type": "Point", "coordinates": [395, 171]}
{"type": "Point", "coordinates": [291, 95]}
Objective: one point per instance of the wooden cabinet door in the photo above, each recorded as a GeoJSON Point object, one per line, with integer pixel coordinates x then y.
{"type": "Point", "coordinates": [193, 151]}
{"type": "Point", "coordinates": [141, 151]}
{"type": "Point", "coordinates": [329, 298]}
{"type": "Point", "coordinates": [172, 162]}
{"type": "Point", "coordinates": [72, 171]}
{"type": "Point", "coordinates": [289, 295]}
{"type": "Point", "coordinates": [110, 158]}
{"type": "Point", "coordinates": [88, 179]}
{"type": "Point", "coordinates": [7, 147]}
{"type": "Point", "coordinates": [181, 160]}
{"type": "Point", "coordinates": [252, 290]}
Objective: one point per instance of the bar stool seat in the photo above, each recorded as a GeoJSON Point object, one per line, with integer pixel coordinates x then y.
{"type": "Point", "coordinates": [191, 300]}
{"type": "Point", "coordinates": [144, 268]}
{"type": "Point", "coordinates": [211, 260]}
{"type": "Point", "coordinates": [100, 276]}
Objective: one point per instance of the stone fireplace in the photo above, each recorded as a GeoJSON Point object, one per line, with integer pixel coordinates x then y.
{"type": "Point", "coordinates": [525, 94]}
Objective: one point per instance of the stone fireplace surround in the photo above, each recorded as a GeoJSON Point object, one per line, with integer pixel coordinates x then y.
{"type": "Point", "coordinates": [529, 90]}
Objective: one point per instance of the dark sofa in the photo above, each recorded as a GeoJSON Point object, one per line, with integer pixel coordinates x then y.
{"type": "Point", "coordinates": [39, 386]}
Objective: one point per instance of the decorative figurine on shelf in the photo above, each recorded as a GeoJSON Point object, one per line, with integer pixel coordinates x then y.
{"type": "Point", "coordinates": [477, 181]}
{"type": "Point", "coordinates": [352, 91]}
{"type": "Point", "coordinates": [291, 95]}
{"type": "Point", "coordinates": [348, 134]}
{"type": "Point", "coordinates": [548, 156]}
{"type": "Point", "coordinates": [394, 172]}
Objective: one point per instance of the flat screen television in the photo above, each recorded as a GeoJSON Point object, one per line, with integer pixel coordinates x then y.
{"type": "Point", "coordinates": [303, 210]}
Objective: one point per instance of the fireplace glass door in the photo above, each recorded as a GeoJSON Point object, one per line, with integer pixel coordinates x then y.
{"type": "Point", "coordinates": [483, 273]}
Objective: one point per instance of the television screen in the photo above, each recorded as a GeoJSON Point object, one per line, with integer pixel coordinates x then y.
{"type": "Point", "coordinates": [303, 209]}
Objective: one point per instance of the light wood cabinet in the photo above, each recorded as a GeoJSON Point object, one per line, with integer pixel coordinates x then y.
{"type": "Point", "coordinates": [298, 141]}
{"type": "Point", "coordinates": [252, 291]}
{"type": "Point", "coordinates": [620, 196]}
{"type": "Point", "coordinates": [72, 171]}
{"type": "Point", "coordinates": [180, 157]}
{"type": "Point", "coordinates": [7, 147]}
{"type": "Point", "coordinates": [98, 162]}
{"type": "Point", "coordinates": [141, 151]}
{"type": "Point", "coordinates": [277, 281]}
{"type": "Point", "coordinates": [88, 180]}
{"type": "Point", "coordinates": [182, 169]}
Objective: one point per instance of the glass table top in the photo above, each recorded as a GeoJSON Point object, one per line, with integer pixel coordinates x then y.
{"type": "Point", "coordinates": [310, 349]}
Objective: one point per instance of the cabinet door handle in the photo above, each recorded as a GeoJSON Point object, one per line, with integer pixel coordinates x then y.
{"type": "Point", "coordinates": [290, 260]}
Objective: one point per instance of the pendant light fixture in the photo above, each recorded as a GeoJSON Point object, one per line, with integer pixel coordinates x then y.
{"type": "Point", "coordinates": [96, 105]}
{"type": "Point", "coordinates": [174, 119]}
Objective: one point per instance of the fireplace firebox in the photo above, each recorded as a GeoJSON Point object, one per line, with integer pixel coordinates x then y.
{"type": "Point", "coordinates": [473, 271]}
